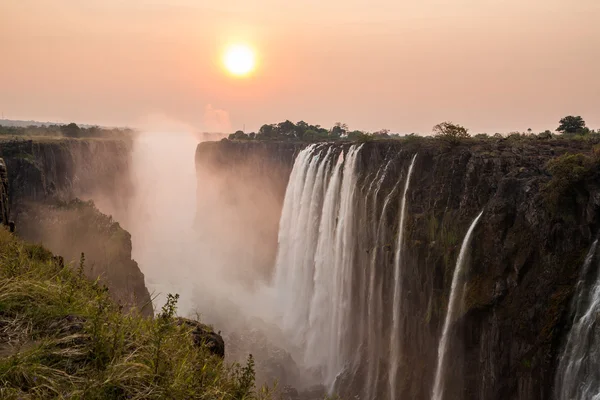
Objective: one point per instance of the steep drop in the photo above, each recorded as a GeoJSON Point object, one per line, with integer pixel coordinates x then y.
{"type": "Point", "coordinates": [395, 339]}
{"type": "Point", "coordinates": [453, 304]}
{"type": "Point", "coordinates": [578, 375]}
{"type": "Point", "coordinates": [316, 242]}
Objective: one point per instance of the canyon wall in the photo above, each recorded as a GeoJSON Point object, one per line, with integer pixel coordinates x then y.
{"type": "Point", "coordinates": [521, 268]}
{"type": "Point", "coordinates": [46, 179]}
{"type": "Point", "coordinates": [4, 201]}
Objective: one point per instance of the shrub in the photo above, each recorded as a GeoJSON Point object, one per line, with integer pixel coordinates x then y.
{"type": "Point", "coordinates": [62, 337]}
{"type": "Point", "coordinates": [567, 171]}
{"type": "Point", "coordinates": [450, 132]}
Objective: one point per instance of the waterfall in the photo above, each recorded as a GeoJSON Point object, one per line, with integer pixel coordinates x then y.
{"type": "Point", "coordinates": [578, 374]}
{"type": "Point", "coordinates": [374, 298]}
{"type": "Point", "coordinates": [395, 335]}
{"type": "Point", "coordinates": [316, 254]}
{"type": "Point", "coordinates": [452, 308]}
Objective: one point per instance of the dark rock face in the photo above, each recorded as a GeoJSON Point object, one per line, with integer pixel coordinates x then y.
{"type": "Point", "coordinates": [522, 268]}
{"type": "Point", "coordinates": [62, 169]}
{"type": "Point", "coordinates": [204, 335]}
{"type": "Point", "coordinates": [4, 202]}
{"type": "Point", "coordinates": [45, 178]}
{"type": "Point", "coordinates": [77, 227]}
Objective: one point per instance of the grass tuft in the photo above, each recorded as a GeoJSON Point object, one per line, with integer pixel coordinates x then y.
{"type": "Point", "coordinates": [61, 336]}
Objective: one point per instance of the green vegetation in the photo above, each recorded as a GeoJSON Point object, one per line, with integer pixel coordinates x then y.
{"type": "Point", "coordinates": [567, 171]}
{"type": "Point", "coordinates": [302, 131]}
{"type": "Point", "coordinates": [571, 124]}
{"type": "Point", "coordinates": [62, 337]}
{"type": "Point", "coordinates": [450, 132]}
{"type": "Point", "coordinates": [447, 131]}
{"type": "Point", "coordinates": [71, 130]}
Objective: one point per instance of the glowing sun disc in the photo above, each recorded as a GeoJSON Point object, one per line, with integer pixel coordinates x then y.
{"type": "Point", "coordinates": [239, 60]}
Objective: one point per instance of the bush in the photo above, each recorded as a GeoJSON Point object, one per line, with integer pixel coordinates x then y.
{"type": "Point", "coordinates": [449, 132]}
{"type": "Point", "coordinates": [567, 171]}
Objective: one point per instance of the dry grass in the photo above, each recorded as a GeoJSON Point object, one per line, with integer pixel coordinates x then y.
{"type": "Point", "coordinates": [61, 337]}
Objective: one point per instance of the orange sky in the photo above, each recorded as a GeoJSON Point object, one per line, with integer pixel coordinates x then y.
{"type": "Point", "coordinates": [492, 65]}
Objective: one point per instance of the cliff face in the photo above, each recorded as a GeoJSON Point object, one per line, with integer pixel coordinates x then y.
{"type": "Point", "coordinates": [4, 202]}
{"type": "Point", "coordinates": [45, 179]}
{"type": "Point", "coordinates": [520, 275]}
{"type": "Point", "coordinates": [241, 186]}
{"type": "Point", "coordinates": [44, 170]}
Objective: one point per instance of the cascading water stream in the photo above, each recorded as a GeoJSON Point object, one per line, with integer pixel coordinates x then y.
{"type": "Point", "coordinates": [315, 256]}
{"type": "Point", "coordinates": [578, 374]}
{"type": "Point", "coordinates": [395, 335]}
{"type": "Point", "coordinates": [374, 296]}
{"type": "Point", "coordinates": [453, 304]}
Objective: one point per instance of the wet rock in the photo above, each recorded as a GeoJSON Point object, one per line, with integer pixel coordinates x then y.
{"type": "Point", "coordinates": [204, 335]}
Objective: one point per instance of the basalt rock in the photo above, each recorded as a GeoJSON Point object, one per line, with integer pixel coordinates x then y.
{"type": "Point", "coordinates": [204, 335]}
{"type": "Point", "coordinates": [523, 264]}
{"type": "Point", "coordinates": [4, 202]}
{"type": "Point", "coordinates": [46, 178]}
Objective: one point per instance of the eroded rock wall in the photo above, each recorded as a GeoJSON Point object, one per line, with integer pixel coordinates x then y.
{"type": "Point", "coordinates": [522, 268]}
{"type": "Point", "coordinates": [46, 178]}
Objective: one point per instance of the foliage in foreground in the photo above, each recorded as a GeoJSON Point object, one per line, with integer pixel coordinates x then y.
{"type": "Point", "coordinates": [62, 337]}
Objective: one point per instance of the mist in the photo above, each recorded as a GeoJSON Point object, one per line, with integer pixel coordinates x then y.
{"type": "Point", "coordinates": [210, 236]}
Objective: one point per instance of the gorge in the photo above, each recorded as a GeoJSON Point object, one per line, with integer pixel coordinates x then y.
{"type": "Point", "coordinates": [392, 269]}
{"type": "Point", "coordinates": [510, 318]}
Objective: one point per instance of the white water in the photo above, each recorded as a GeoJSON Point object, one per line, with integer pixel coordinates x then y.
{"type": "Point", "coordinates": [578, 374]}
{"type": "Point", "coordinates": [374, 293]}
{"type": "Point", "coordinates": [395, 335]}
{"type": "Point", "coordinates": [315, 254]}
{"type": "Point", "coordinates": [438, 387]}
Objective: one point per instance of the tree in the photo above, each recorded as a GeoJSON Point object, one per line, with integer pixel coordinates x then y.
{"type": "Point", "coordinates": [339, 129]}
{"type": "Point", "coordinates": [266, 131]}
{"type": "Point", "coordinates": [571, 124]}
{"type": "Point", "coordinates": [286, 128]}
{"type": "Point", "coordinates": [383, 133]}
{"type": "Point", "coordinates": [71, 130]}
{"type": "Point", "coordinates": [238, 135]}
{"type": "Point", "coordinates": [450, 132]}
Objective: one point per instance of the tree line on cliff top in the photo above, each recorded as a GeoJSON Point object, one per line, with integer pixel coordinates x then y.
{"type": "Point", "coordinates": [302, 131]}
{"type": "Point", "coordinates": [71, 130]}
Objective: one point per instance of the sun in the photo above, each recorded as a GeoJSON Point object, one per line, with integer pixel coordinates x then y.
{"type": "Point", "coordinates": [239, 60]}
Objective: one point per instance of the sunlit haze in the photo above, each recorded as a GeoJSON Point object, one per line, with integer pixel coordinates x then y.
{"type": "Point", "coordinates": [403, 65]}
{"type": "Point", "coordinates": [239, 60]}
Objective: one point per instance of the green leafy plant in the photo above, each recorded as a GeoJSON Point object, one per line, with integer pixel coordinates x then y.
{"type": "Point", "coordinates": [450, 132]}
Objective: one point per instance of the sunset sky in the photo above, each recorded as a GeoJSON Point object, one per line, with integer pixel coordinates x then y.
{"type": "Point", "coordinates": [404, 65]}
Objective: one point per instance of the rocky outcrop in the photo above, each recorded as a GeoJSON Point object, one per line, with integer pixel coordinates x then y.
{"type": "Point", "coordinates": [523, 265]}
{"type": "Point", "coordinates": [4, 202]}
{"type": "Point", "coordinates": [76, 227]}
{"type": "Point", "coordinates": [46, 170]}
{"type": "Point", "coordinates": [273, 363]}
{"type": "Point", "coordinates": [46, 179]}
{"type": "Point", "coordinates": [204, 335]}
